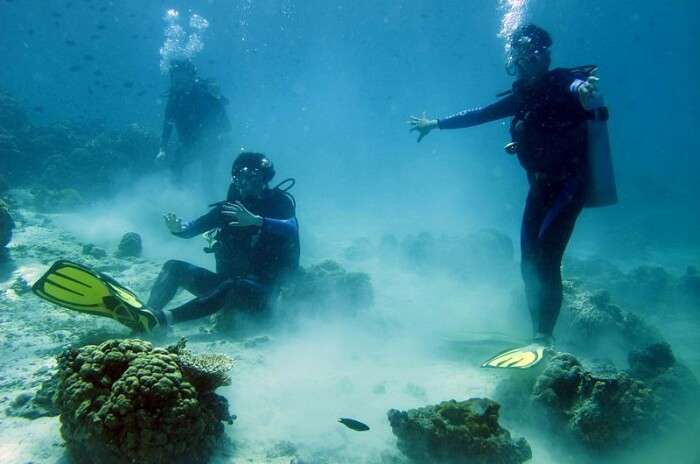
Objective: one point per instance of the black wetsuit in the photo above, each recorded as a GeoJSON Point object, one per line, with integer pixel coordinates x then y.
{"type": "Point", "coordinates": [200, 118]}
{"type": "Point", "coordinates": [550, 131]}
{"type": "Point", "coordinates": [250, 261]}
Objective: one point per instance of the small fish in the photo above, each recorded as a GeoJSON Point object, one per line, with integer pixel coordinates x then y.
{"type": "Point", "coordinates": [88, 57]}
{"type": "Point", "coordinates": [141, 93]}
{"type": "Point", "coordinates": [38, 109]}
{"type": "Point", "coordinates": [30, 31]}
{"type": "Point", "coordinates": [56, 14]}
{"type": "Point", "coordinates": [74, 68]}
{"type": "Point", "coordinates": [94, 37]}
{"type": "Point", "coordinates": [128, 84]}
{"type": "Point", "coordinates": [101, 27]}
{"type": "Point", "coordinates": [102, 9]}
{"type": "Point", "coordinates": [97, 72]}
{"type": "Point", "coordinates": [70, 43]}
{"type": "Point", "coordinates": [352, 424]}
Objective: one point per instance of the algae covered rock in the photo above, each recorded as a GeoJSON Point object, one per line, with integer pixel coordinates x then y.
{"type": "Point", "coordinates": [651, 361]}
{"type": "Point", "coordinates": [419, 250]}
{"type": "Point", "coordinates": [602, 412]}
{"type": "Point", "coordinates": [326, 285]}
{"type": "Point", "coordinates": [602, 409]}
{"type": "Point", "coordinates": [126, 401]}
{"type": "Point", "coordinates": [90, 249]}
{"type": "Point", "coordinates": [675, 387]}
{"type": "Point", "coordinates": [37, 405]}
{"type": "Point", "coordinates": [65, 155]}
{"type": "Point", "coordinates": [594, 321]}
{"type": "Point", "coordinates": [452, 432]}
{"type": "Point", "coordinates": [129, 246]}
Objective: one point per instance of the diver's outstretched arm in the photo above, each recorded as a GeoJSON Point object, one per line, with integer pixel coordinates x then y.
{"type": "Point", "coordinates": [473, 117]}
{"type": "Point", "coordinates": [501, 109]}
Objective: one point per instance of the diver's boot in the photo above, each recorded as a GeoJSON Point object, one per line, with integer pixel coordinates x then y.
{"type": "Point", "coordinates": [140, 320]}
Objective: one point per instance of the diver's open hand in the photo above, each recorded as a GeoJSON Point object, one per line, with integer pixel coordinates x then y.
{"type": "Point", "coordinates": [588, 89]}
{"type": "Point", "coordinates": [239, 216]}
{"type": "Point", "coordinates": [423, 125]}
{"type": "Point", "coordinates": [173, 223]}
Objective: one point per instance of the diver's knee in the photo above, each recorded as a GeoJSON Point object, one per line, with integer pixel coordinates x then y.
{"type": "Point", "coordinates": [174, 265]}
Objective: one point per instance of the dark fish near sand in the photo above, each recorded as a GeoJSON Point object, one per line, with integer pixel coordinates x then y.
{"type": "Point", "coordinates": [352, 424]}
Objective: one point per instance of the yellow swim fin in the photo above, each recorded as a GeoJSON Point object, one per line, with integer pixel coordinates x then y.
{"type": "Point", "coordinates": [85, 290]}
{"type": "Point", "coordinates": [518, 358]}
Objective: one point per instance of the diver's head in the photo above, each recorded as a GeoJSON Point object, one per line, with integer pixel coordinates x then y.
{"type": "Point", "coordinates": [183, 75]}
{"type": "Point", "coordinates": [528, 55]}
{"type": "Point", "coordinates": [250, 174]}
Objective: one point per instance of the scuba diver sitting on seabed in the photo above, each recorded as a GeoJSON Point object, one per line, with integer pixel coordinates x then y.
{"type": "Point", "coordinates": [256, 245]}
{"type": "Point", "coordinates": [255, 238]}
{"type": "Point", "coordinates": [550, 135]}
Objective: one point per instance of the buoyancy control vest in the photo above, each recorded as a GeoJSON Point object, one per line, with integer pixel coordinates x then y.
{"type": "Point", "coordinates": [555, 135]}
{"type": "Point", "coordinates": [242, 252]}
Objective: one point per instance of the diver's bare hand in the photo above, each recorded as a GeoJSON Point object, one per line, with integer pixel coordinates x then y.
{"type": "Point", "coordinates": [588, 89]}
{"type": "Point", "coordinates": [173, 223]}
{"type": "Point", "coordinates": [423, 125]}
{"type": "Point", "coordinates": [160, 157]}
{"type": "Point", "coordinates": [240, 216]}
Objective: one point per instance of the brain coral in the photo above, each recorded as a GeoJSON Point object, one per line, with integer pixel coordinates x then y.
{"type": "Point", "coordinates": [126, 401]}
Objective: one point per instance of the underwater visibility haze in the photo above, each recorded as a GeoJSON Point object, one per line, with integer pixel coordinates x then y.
{"type": "Point", "coordinates": [319, 232]}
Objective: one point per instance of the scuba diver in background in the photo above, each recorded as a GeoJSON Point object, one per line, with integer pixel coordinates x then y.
{"type": "Point", "coordinates": [255, 238]}
{"type": "Point", "coordinates": [550, 136]}
{"type": "Point", "coordinates": [6, 227]}
{"type": "Point", "coordinates": [198, 112]}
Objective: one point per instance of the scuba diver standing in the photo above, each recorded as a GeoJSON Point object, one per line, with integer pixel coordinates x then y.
{"type": "Point", "coordinates": [255, 238]}
{"type": "Point", "coordinates": [197, 111]}
{"type": "Point", "coordinates": [550, 133]}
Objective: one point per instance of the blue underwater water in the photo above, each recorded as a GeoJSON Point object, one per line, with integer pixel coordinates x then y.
{"type": "Point", "coordinates": [325, 89]}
